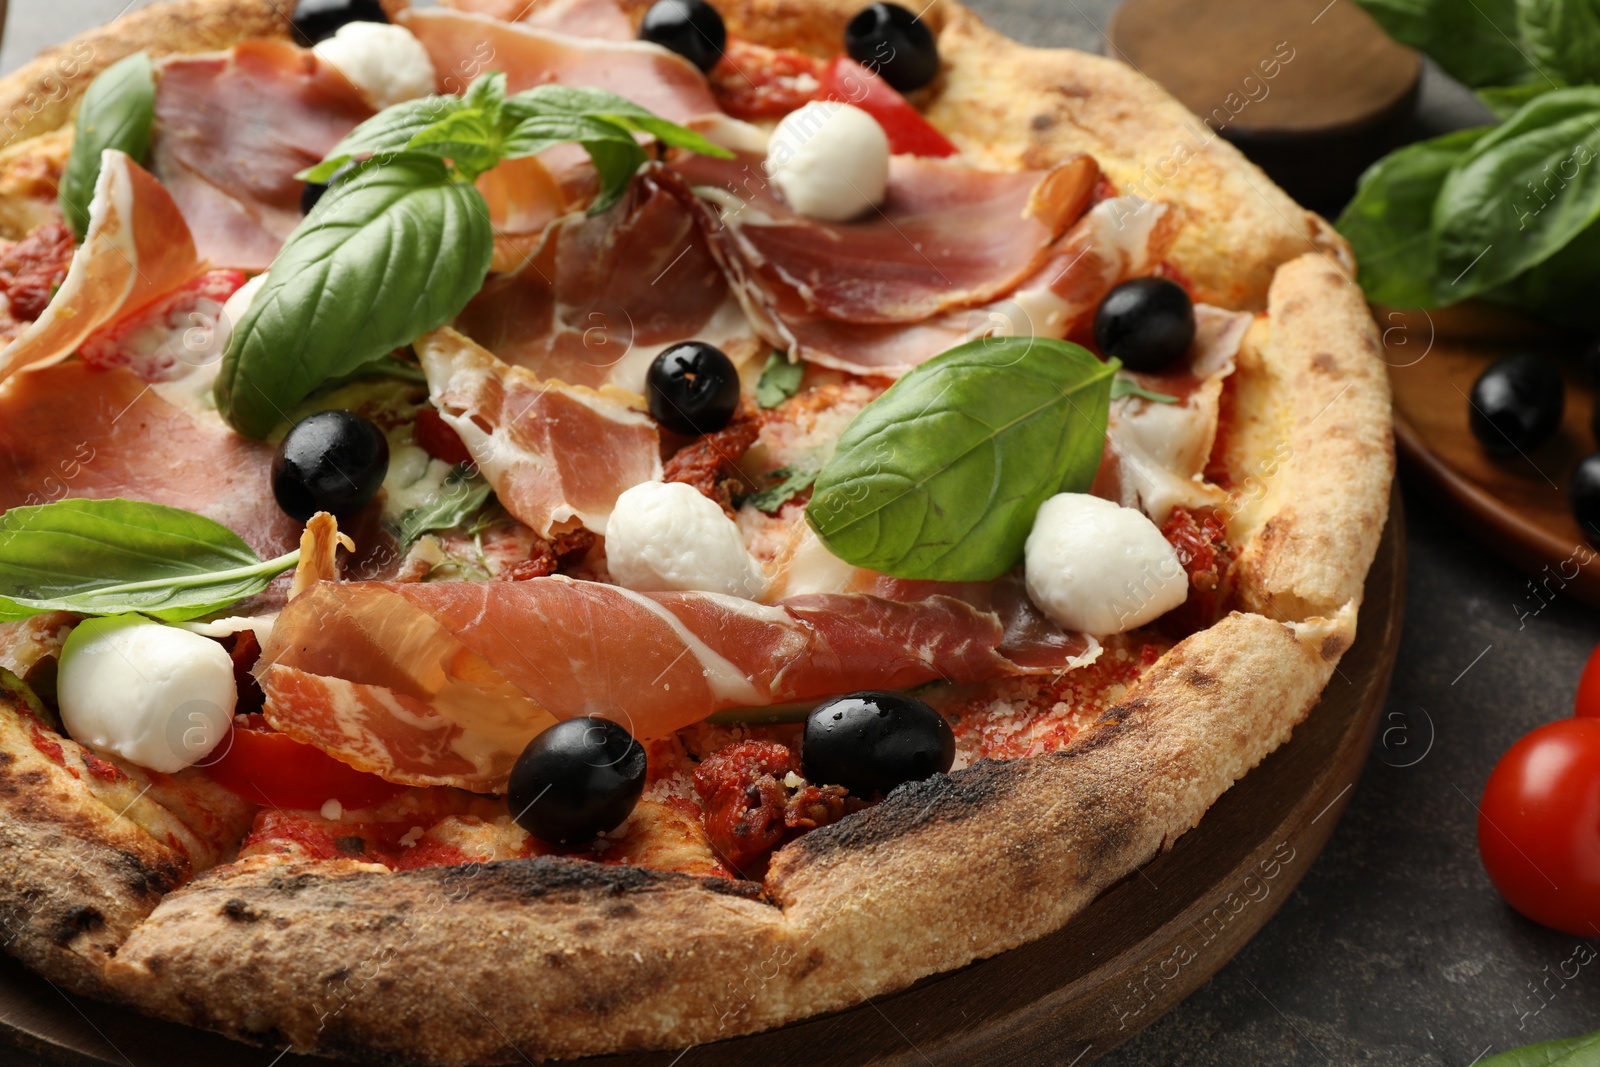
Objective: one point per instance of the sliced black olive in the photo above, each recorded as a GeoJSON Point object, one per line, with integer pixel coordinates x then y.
{"type": "Point", "coordinates": [691, 28]}
{"type": "Point", "coordinates": [1148, 323]}
{"type": "Point", "coordinates": [1583, 491]}
{"type": "Point", "coordinates": [890, 40]}
{"type": "Point", "coordinates": [313, 190]}
{"type": "Point", "coordinates": [692, 388]}
{"type": "Point", "coordinates": [317, 20]}
{"type": "Point", "coordinates": [871, 742]}
{"type": "Point", "coordinates": [579, 778]}
{"type": "Point", "coordinates": [1517, 404]}
{"type": "Point", "coordinates": [332, 461]}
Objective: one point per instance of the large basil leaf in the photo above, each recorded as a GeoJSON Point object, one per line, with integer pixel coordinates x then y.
{"type": "Point", "coordinates": [116, 112]}
{"type": "Point", "coordinates": [1560, 290]}
{"type": "Point", "coordinates": [385, 256]}
{"type": "Point", "coordinates": [1475, 41]}
{"type": "Point", "coordinates": [1562, 37]}
{"type": "Point", "coordinates": [941, 476]}
{"type": "Point", "coordinates": [1519, 195]}
{"type": "Point", "coordinates": [1389, 224]}
{"type": "Point", "coordinates": [1568, 1052]}
{"type": "Point", "coordinates": [109, 557]}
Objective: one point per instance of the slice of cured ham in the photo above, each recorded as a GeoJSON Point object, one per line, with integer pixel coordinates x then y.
{"type": "Point", "coordinates": [558, 455]}
{"type": "Point", "coordinates": [445, 683]}
{"type": "Point", "coordinates": [639, 275]}
{"type": "Point", "coordinates": [595, 19]}
{"type": "Point", "coordinates": [232, 130]}
{"type": "Point", "coordinates": [947, 236]}
{"type": "Point", "coordinates": [72, 430]}
{"type": "Point", "coordinates": [463, 45]}
{"type": "Point", "coordinates": [136, 250]}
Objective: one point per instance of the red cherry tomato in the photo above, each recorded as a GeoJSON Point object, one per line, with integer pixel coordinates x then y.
{"type": "Point", "coordinates": [267, 767]}
{"type": "Point", "coordinates": [1588, 702]}
{"type": "Point", "coordinates": [1539, 826]}
{"type": "Point", "coordinates": [845, 79]}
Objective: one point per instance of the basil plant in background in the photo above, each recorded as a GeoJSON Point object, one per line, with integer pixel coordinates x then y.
{"type": "Point", "coordinates": [1507, 213]}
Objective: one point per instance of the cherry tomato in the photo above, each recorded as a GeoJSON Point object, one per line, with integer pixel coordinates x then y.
{"type": "Point", "coordinates": [267, 767]}
{"type": "Point", "coordinates": [845, 79]}
{"type": "Point", "coordinates": [1588, 702]}
{"type": "Point", "coordinates": [1539, 826]}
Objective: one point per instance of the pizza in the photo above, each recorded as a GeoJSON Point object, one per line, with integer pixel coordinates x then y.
{"type": "Point", "coordinates": [516, 517]}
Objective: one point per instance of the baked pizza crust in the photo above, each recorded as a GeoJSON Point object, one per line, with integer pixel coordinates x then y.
{"type": "Point", "coordinates": [556, 957]}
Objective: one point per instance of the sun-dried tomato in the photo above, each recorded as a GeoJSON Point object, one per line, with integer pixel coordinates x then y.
{"type": "Point", "coordinates": [1200, 538]}
{"type": "Point", "coordinates": [549, 557]}
{"type": "Point", "coordinates": [756, 82]}
{"type": "Point", "coordinates": [32, 269]}
{"type": "Point", "coordinates": [436, 437]}
{"type": "Point", "coordinates": [710, 463]}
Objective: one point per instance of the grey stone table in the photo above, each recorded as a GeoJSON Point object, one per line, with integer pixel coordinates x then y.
{"type": "Point", "coordinates": [1395, 948]}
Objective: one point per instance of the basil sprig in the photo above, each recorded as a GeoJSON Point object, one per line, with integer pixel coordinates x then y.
{"type": "Point", "coordinates": [116, 112]}
{"type": "Point", "coordinates": [110, 557]}
{"type": "Point", "coordinates": [940, 477]}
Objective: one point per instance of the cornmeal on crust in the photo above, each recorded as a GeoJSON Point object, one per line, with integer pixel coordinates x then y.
{"type": "Point", "coordinates": [563, 957]}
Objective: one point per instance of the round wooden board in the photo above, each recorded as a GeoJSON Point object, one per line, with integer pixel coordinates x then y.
{"type": "Point", "coordinates": [1138, 950]}
{"type": "Point", "coordinates": [1517, 506]}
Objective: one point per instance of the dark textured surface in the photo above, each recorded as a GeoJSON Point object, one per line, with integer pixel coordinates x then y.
{"type": "Point", "coordinates": [1395, 949]}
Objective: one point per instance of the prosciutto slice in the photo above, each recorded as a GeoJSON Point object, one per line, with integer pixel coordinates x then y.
{"type": "Point", "coordinates": [232, 130]}
{"type": "Point", "coordinates": [73, 430]}
{"type": "Point", "coordinates": [595, 19]}
{"type": "Point", "coordinates": [558, 455]}
{"type": "Point", "coordinates": [445, 683]}
{"type": "Point", "coordinates": [598, 287]}
{"type": "Point", "coordinates": [464, 45]}
{"type": "Point", "coordinates": [135, 251]}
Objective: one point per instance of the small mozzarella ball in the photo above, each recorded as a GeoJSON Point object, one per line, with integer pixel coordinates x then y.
{"type": "Point", "coordinates": [385, 62]}
{"type": "Point", "coordinates": [155, 695]}
{"type": "Point", "coordinates": [830, 161]}
{"type": "Point", "coordinates": [1096, 566]}
{"type": "Point", "coordinates": [668, 535]}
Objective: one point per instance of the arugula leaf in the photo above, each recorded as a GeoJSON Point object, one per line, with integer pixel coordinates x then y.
{"type": "Point", "coordinates": [1567, 1052]}
{"type": "Point", "coordinates": [1389, 223]}
{"type": "Point", "coordinates": [386, 255]}
{"type": "Point", "coordinates": [1121, 387]}
{"type": "Point", "coordinates": [463, 496]}
{"type": "Point", "coordinates": [1476, 43]}
{"type": "Point", "coordinates": [1519, 194]}
{"type": "Point", "coordinates": [940, 477]}
{"type": "Point", "coordinates": [1562, 37]}
{"type": "Point", "coordinates": [790, 483]}
{"type": "Point", "coordinates": [110, 557]}
{"type": "Point", "coordinates": [117, 111]}
{"type": "Point", "coordinates": [780, 380]}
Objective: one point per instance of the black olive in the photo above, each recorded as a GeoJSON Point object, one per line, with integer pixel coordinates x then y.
{"type": "Point", "coordinates": [331, 461]}
{"type": "Point", "coordinates": [1517, 404]}
{"type": "Point", "coordinates": [313, 190]}
{"type": "Point", "coordinates": [873, 741]}
{"type": "Point", "coordinates": [577, 779]}
{"type": "Point", "coordinates": [1148, 323]}
{"type": "Point", "coordinates": [317, 20]}
{"type": "Point", "coordinates": [693, 388]}
{"type": "Point", "coordinates": [1583, 491]}
{"type": "Point", "coordinates": [890, 40]}
{"type": "Point", "coordinates": [691, 28]}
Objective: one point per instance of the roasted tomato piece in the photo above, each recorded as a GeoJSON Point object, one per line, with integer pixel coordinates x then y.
{"type": "Point", "coordinates": [909, 133]}
{"type": "Point", "coordinates": [33, 268]}
{"type": "Point", "coordinates": [756, 82]}
{"type": "Point", "coordinates": [267, 767]}
{"type": "Point", "coordinates": [752, 802]}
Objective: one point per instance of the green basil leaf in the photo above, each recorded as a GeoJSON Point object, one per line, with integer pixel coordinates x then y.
{"type": "Point", "coordinates": [462, 496]}
{"type": "Point", "coordinates": [1567, 1052]}
{"type": "Point", "coordinates": [470, 138]}
{"type": "Point", "coordinates": [1475, 42]}
{"type": "Point", "coordinates": [617, 162]}
{"type": "Point", "coordinates": [487, 93]}
{"type": "Point", "coordinates": [780, 380]}
{"type": "Point", "coordinates": [1519, 194]}
{"type": "Point", "coordinates": [117, 111]}
{"type": "Point", "coordinates": [1389, 224]}
{"type": "Point", "coordinates": [110, 557]}
{"type": "Point", "coordinates": [597, 103]}
{"type": "Point", "coordinates": [387, 132]}
{"type": "Point", "coordinates": [1562, 38]}
{"type": "Point", "coordinates": [790, 483]}
{"type": "Point", "coordinates": [941, 476]}
{"type": "Point", "coordinates": [1507, 100]}
{"type": "Point", "coordinates": [385, 256]}
{"type": "Point", "coordinates": [1561, 289]}
{"type": "Point", "coordinates": [1121, 387]}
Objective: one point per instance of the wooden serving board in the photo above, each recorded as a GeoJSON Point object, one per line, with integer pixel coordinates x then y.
{"type": "Point", "coordinates": [1144, 945]}
{"type": "Point", "coordinates": [1517, 507]}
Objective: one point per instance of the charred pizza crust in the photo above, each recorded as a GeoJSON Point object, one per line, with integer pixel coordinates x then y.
{"type": "Point", "coordinates": [560, 957]}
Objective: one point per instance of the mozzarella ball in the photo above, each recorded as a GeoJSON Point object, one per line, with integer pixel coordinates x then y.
{"type": "Point", "coordinates": [155, 695]}
{"type": "Point", "coordinates": [385, 62]}
{"type": "Point", "coordinates": [668, 535]}
{"type": "Point", "coordinates": [830, 161]}
{"type": "Point", "coordinates": [1096, 566]}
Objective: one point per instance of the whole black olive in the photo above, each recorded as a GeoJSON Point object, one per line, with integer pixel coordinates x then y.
{"type": "Point", "coordinates": [870, 742]}
{"type": "Point", "coordinates": [577, 779]}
